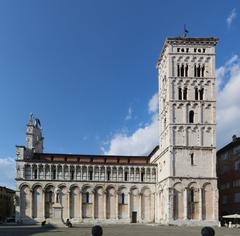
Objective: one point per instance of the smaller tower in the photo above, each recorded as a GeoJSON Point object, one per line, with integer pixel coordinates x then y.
{"type": "Point", "coordinates": [34, 138]}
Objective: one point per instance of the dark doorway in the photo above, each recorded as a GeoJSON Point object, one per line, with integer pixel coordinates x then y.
{"type": "Point", "coordinates": [134, 217]}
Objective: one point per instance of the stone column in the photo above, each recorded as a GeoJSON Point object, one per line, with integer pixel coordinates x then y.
{"type": "Point", "coordinates": [38, 172]}
{"type": "Point", "coordinates": [105, 177]}
{"type": "Point", "coordinates": [87, 173]}
{"type": "Point", "coordinates": [170, 205]}
{"type": "Point", "coordinates": [185, 203]}
{"type": "Point", "coordinates": [18, 203]}
{"type": "Point", "coordinates": [44, 171]}
{"type": "Point", "coordinates": [111, 173]}
{"type": "Point", "coordinates": [80, 205]}
{"type": "Point", "coordinates": [129, 206]}
{"type": "Point", "coordinates": [31, 203]}
{"type": "Point", "coordinates": [117, 173]}
{"type": "Point", "coordinates": [215, 204]}
{"type": "Point", "coordinates": [140, 208]}
{"type": "Point", "coordinates": [116, 205]}
{"type": "Point", "coordinates": [200, 203]}
{"type": "Point", "coordinates": [43, 204]}
{"type": "Point", "coordinates": [56, 168]}
{"type": "Point", "coordinates": [31, 171]}
{"type": "Point", "coordinates": [69, 172]}
{"type": "Point", "coordinates": [104, 205]}
{"type": "Point", "coordinates": [93, 204]}
{"type": "Point", "coordinates": [69, 203]}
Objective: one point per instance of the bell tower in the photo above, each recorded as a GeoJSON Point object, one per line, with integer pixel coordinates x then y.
{"type": "Point", "coordinates": [34, 138]}
{"type": "Point", "coordinates": [187, 150]}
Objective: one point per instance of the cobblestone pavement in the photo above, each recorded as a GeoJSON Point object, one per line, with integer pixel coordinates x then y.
{"type": "Point", "coordinates": [111, 230]}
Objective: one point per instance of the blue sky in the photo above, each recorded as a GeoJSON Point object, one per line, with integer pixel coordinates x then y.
{"type": "Point", "coordinates": [87, 70]}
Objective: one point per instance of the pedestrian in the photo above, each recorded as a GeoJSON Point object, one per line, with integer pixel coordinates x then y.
{"type": "Point", "coordinates": [207, 231]}
{"type": "Point", "coordinates": [68, 223]}
{"type": "Point", "coordinates": [97, 230]}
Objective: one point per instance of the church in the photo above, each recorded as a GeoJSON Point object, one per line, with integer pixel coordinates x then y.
{"type": "Point", "coordinates": [175, 184]}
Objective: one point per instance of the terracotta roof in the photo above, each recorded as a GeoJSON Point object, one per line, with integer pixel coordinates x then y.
{"type": "Point", "coordinates": [83, 158]}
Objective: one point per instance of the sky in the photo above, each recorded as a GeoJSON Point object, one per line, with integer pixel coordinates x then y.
{"type": "Point", "coordinates": [87, 69]}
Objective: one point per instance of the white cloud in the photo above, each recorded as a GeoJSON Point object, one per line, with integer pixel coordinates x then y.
{"type": "Point", "coordinates": [231, 17]}
{"type": "Point", "coordinates": [7, 170]}
{"type": "Point", "coordinates": [141, 141]}
{"type": "Point", "coordinates": [228, 101]}
{"type": "Point", "coordinates": [153, 104]}
{"type": "Point", "coordinates": [129, 114]}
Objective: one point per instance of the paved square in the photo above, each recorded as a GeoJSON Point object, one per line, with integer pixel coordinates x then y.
{"type": "Point", "coordinates": [111, 230]}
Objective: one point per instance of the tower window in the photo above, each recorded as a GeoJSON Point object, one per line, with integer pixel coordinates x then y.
{"type": "Point", "coordinates": [182, 70]}
{"type": "Point", "coordinates": [191, 157]}
{"type": "Point", "coordinates": [185, 94]}
{"type": "Point", "coordinates": [201, 93]}
{"type": "Point", "coordinates": [198, 71]}
{"type": "Point", "coordinates": [186, 71]}
{"type": "Point", "coordinates": [180, 93]}
{"type": "Point", "coordinates": [203, 69]}
{"type": "Point", "coordinates": [191, 116]}
{"type": "Point", "coordinates": [196, 93]}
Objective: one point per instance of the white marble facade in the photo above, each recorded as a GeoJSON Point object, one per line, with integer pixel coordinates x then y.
{"type": "Point", "coordinates": [175, 184]}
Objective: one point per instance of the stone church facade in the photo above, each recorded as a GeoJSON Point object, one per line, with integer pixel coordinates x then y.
{"type": "Point", "coordinates": [175, 184]}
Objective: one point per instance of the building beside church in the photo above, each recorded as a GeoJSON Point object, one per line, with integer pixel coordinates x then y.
{"type": "Point", "coordinates": [7, 203]}
{"type": "Point", "coordinates": [228, 172]}
{"type": "Point", "coordinates": [175, 184]}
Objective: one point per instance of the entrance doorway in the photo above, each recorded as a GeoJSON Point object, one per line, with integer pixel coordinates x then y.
{"type": "Point", "coordinates": [134, 217]}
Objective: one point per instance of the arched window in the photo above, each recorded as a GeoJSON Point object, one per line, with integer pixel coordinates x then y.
{"type": "Point", "coordinates": [201, 93]}
{"type": "Point", "coordinates": [126, 176]}
{"type": "Point", "coordinates": [185, 94]}
{"type": "Point", "coordinates": [198, 71]}
{"type": "Point", "coordinates": [191, 157]}
{"type": "Point", "coordinates": [87, 197]}
{"type": "Point", "coordinates": [191, 116]}
{"type": "Point", "coordinates": [182, 70]}
{"type": "Point", "coordinates": [179, 93]}
{"type": "Point", "coordinates": [35, 174]}
{"type": "Point", "coordinates": [192, 195]}
{"type": "Point", "coordinates": [203, 69]}
{"type": "Point", "coordinates": [186, 71]}
{"type": "Point", "coordinates": [122, 198]}
{"type": "Point", "coordinates": [196, 93]}
{"type": "Point", "coordinates": [54, 174]}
